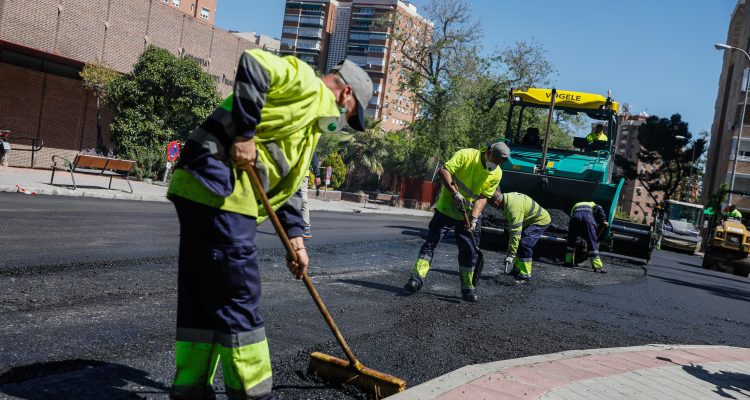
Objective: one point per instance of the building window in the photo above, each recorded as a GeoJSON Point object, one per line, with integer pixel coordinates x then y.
{"type": "Point", "coordinates": [635, 212]}
{"type": "Point", "coordinates": [176, 3]}
{"type": "Point", "coordinates": [165, 1]}
{"type": "Point", "coordinates": [192, 7]}
{"type": "Point", "coordinates": [205, 13]}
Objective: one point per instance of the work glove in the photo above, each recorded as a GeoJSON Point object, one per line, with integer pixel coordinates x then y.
{"type": "Point", "coordinates": [508, 265]}
{"type": "Point", "coordinates": [473, 224]}
{"type": "Point", "coordinates": [459, 199]}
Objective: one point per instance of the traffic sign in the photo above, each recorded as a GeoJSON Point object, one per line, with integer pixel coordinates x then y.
{"type": "Point", "coordinates": [173, 150]}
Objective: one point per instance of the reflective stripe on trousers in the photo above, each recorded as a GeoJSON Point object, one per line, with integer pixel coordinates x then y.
{"type": "Point", "coordinates": [218, 305]}
{"type": "Point", "coordinates": [439, 225]}
{"type": "Point", "coordinates": [304, 208]}
{"type": "Point", "coordinates": [529, 237]}
{"type": "Point", "coordinates": [583, 224]}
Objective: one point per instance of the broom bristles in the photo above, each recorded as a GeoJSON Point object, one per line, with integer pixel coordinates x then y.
{"type": "Point", "coordinates": [331, 369]}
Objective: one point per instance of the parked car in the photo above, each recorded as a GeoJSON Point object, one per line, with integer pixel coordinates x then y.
{"type": "Point", "coordinates": [681, 235]}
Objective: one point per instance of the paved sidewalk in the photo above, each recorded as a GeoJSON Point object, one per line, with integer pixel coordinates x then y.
{"type": "Point", "coordinates": [38, 181]}
{"type": "Point", "coordinates": [643, 372]}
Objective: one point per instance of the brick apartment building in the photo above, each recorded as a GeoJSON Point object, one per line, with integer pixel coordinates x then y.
{"type": "Point", "coordinates": [324, 32]}
{"type": "Point", "coordinates": [634, 198]}
{"type": "Point", "coordinates": [44, 45]}
{"type": "Point", "coordinates": [306, 30]}
{"type": "Point", "coordinates": [202, 9]}
{"type": "Point", "coordinates": [727, 114]}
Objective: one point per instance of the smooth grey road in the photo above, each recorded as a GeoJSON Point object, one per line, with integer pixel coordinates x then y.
{"type": "Point", "coordinates": [87, 298]}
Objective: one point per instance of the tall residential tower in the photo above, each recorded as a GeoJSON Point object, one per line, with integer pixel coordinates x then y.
{"type": "Point", "coordinates": [324, 32]}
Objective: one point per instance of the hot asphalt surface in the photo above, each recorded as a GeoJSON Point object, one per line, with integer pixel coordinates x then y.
{"type": "Point", "coordinates": [87, 300]}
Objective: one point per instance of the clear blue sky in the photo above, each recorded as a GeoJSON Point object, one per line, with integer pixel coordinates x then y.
{"type": "Point", "coordinates": [657, 55]}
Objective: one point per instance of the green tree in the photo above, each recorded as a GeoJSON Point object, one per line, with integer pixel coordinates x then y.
{"type": "Point", "coordinates": [97, 78]}
{"type": "Point", "coordinates": [364, 153]}
{"type": "Point", "coordinates": [434, 58]}
{"type": "Point", "coordinates": [162, 99]}
{"type": "Point", "coordinates": [669, 153]}
{"type": "Point", "coordinates": [338, 174]}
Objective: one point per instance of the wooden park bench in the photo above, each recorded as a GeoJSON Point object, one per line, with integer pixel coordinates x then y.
{"type": "Point", "coordinates": [103, 166]}
{"type": "Point", "coordinates": [378, 199]}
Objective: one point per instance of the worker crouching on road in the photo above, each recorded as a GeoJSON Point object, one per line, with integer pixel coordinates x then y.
{"type": "Point", "coordinates": [271, 123]}
{"type": "Point", "coordinates": [587, 219]}
{"type": "Point", "coordinates": [469, 178]}
{"type": "Point", "coordinates": [527, 222]}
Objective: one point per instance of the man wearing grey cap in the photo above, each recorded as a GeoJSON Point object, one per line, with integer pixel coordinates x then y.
{"type": "Point", "coordinates": [271, 123]}
{"type": "Point", "coordinates": [469, 178]}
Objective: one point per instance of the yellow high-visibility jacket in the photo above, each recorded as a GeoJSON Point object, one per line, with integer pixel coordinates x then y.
{"type": "Point", "coordinates": [472, 179]}
{"type": "Point", "coordinates": [278, 101]}
{"type": "Point", "coordinates": [521, 211]}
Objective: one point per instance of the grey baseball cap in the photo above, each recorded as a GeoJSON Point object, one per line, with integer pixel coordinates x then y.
{"type": "Point", "coordinates": [500, 150]}
{"type": "Point", "coordinates": [361, 84]}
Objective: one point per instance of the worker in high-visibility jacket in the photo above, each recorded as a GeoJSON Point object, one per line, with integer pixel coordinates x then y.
{"type": "Point", "coordinates": [527, 222]}
{"type": "Point", "coordinates": [731, 212]}
{"type": "Point", "coordinates": [469, 178]}
{"type": "Point", "coordinates": [598, 139]}
{"type": "Point", "coordinates": [271, 123]}
{"type": "Point", "coordinates": [586, 220]}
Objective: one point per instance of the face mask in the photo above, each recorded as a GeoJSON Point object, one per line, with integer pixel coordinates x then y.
{"type": "Point", "coordinates": [333, 124]}
{"type": "Point", "coordinates": [490, 166]}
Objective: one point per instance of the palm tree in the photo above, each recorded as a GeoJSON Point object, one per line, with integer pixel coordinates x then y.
{"type": "Point", "coordinates": [364, 153]}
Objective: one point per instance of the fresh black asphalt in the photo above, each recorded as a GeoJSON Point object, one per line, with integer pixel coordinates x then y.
{"type": "Point", "coordinates": [87, 302]}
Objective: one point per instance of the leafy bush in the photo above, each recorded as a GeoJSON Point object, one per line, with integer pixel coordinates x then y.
{"type": "Point", "coordinates": [339, 169]}
{"type": "Point", "coordinates": [161, 100]}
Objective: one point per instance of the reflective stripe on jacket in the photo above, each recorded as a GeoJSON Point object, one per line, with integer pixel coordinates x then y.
{"type": "Point", "coordinates": [472, 179]}
{"type": "Point", "coordinates": [599, 215]}
{"type": "Point", "coordinates": [278, 101]}
{"type": "Point", "coordinates": [521, 211]}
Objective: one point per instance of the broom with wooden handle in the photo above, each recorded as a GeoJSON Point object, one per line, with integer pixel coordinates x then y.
{"type": "Point", "coordinates": [324, 366]}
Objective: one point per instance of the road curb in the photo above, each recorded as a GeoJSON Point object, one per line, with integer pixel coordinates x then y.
{"type": "Point", "coordinates": [73, 193]}
{"type": "Point", "coordinates": [452, 380]}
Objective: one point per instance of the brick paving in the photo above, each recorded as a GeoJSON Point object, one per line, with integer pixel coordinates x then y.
{"type": "Point", "coordinates": [643, 372]}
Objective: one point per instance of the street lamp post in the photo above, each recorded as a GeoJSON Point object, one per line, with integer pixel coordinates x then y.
{"type": "Point", "coordinates": [721, 46]}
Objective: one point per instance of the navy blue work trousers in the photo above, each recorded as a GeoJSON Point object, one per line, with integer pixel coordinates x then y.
{"type": "Point", "coordinates": [218, 279]}
{"type": "Point", "coordinates": [583, 224]}
{"type": "Point", "coordinates": [439, 226]}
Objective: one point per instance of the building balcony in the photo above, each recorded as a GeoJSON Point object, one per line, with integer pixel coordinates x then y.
{"type": "Point", "coordinates": [374, 68]}
{"type": "Point", "coordinates": [310, 37]}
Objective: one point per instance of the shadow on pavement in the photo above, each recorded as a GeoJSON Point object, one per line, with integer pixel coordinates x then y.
{"type": "Point", "coordinates": [707, 272]}
{"type": "Point", "coordinates": [410, 230]}
{"type": "Point", "coordinates": [400, 291]}
{"type": "Point", "coordinates": [723, 380]}
{"type": "Point", "coordinates": [379, 286]}
{"type": "Point", "coordinates": [79, 379]}
{"type": "Point", "coordinates": [70, 186]}
{"type": "Point", "coordinates": [729, 293]}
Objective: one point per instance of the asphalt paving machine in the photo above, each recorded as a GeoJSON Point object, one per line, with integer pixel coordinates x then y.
{"type": "Point", "coordinates": [560, 178]}
{"type": "Point", "coordinates": [728, 244]}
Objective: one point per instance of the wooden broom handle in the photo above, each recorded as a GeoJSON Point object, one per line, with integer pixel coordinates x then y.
{"type": "Point", "coordinates": [305, 278]}
{"type": "Point", "coordinates": [466, 215]}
